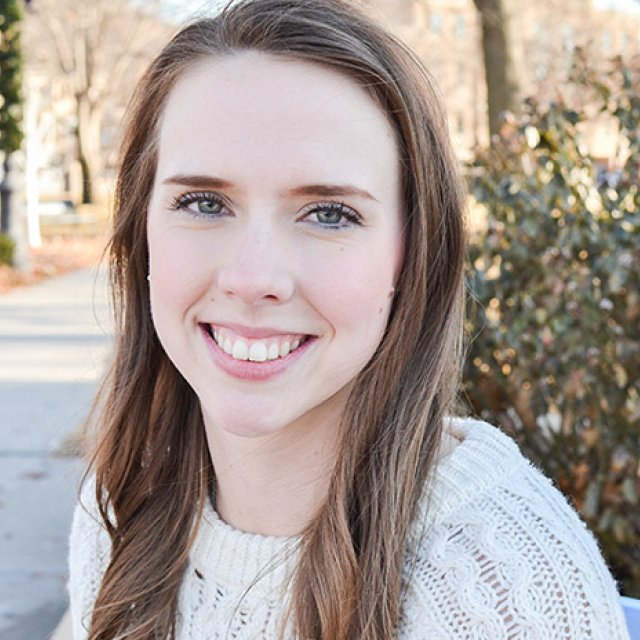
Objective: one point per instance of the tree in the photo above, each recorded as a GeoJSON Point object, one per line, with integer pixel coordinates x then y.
{"type": "Point", "coordinates": [555, 317]}
{"type": "Point", "coordinates": [94, 50]}
{"type": "Point", "coordinates": [10, 94]}
{"type": "Point", "coordinates": [503, 91]}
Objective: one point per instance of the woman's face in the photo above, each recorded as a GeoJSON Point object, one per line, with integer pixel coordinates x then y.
{"type": "Point", "coordinates": [275, 238]}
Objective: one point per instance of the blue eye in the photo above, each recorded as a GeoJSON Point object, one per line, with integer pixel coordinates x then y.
{"type": "Point", "coordinates": [329, 216]}
{"type": "Point", "coordinates": [208, 206]}
{"type": "Point", "coordinates": [332, 215]}
{"type": "Point", "coordinates": [200, 204]}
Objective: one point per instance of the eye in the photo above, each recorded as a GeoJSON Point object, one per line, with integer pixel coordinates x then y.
{"type": "Point", "coordinates": [200, 204]}
{"type": "Point", "coordinates": [331, 215]}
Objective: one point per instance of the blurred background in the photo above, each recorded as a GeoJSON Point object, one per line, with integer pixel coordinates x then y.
{"type": "Point", "coordinates": [543, 107]}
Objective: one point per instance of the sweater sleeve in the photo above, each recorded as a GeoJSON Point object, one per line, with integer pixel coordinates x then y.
{"type": "Point", "coordinates": [89, 549]}
{"type": "Point", "coordinates": [515, 562]}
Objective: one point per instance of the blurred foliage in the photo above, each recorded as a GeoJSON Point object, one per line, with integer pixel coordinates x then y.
{"type": "Point", "coordinates": [10, 76]}
{"type": "Point", "coordinates": [555, 316]}
{"type": "Point", "coordinates": [7, 248]}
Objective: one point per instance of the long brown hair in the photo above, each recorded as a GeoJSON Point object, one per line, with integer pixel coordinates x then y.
{"type": "Point", "coordinates": [151, 462]}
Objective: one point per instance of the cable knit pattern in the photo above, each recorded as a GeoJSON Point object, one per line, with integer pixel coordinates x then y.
{"type": "Point", "coordinates": [496, 553]}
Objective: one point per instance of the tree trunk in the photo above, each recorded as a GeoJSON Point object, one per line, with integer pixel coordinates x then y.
{"type": "Point", "coordinates": [503, 91]}
{"type": "Point", "coordinates": [87, 180]}
{"type": "Point", "coordinates": [5, 197]}
{"type": "Point", "coordinates": [88, 144]}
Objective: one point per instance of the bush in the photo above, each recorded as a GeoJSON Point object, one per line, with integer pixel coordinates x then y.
{"type": "Point", "coordinates": [555, 354]}
{"type": "Point", "coordinates": [7, 248]}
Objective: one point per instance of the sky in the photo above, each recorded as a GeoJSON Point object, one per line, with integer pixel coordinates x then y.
{"type": "Point", "coordinates": [179, 10]}
{"type": "Point", "coordinates": [627, 6]}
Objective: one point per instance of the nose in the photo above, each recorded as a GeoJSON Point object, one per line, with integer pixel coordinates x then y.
{"type": "Point", "coordinates": [255, 269]}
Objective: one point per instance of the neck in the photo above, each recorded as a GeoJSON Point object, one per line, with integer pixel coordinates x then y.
{"type": "Point", "coordinates": [273, 484]}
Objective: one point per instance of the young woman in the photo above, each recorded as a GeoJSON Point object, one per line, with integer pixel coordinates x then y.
{"type": "Point", "coordinates": [274, 456]}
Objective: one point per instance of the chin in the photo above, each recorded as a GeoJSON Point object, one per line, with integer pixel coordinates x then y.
{"type": "Point", "coordinates": [248, 429]}
{"type": "Point", "coordinates": [244, 423]}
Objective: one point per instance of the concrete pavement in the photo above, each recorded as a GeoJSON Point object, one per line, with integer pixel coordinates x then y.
{"type": "Point", "coordinates": [55, 339]}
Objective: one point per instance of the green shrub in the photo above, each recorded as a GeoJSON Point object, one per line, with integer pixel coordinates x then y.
{"type": "Point", "coordinates": [7, 248]}
{"type": "Point", "coordinates": [555, 324]}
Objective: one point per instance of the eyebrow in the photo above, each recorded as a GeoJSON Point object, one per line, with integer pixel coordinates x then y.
{"type": "Point", "coordinates": [326, 190]}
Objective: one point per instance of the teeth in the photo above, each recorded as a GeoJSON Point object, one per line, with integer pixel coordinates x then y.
{"type": "Point", "coordinates": [258, 352]}
{"type": "Point", "coordinates": [284, 349]}
{"type": "Point", "coordinates": [240, 350]}
{"type": "Point", "coordinates": [274, 351]}
{"type": "Point", "coordinates": [254, 350]}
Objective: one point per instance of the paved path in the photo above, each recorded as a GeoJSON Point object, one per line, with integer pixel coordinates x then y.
{"type": "Point", "coordinates": [54, 341]}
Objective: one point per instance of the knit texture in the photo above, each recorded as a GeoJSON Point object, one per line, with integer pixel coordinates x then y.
{"type": "Point", "coordinates": [496, 553]}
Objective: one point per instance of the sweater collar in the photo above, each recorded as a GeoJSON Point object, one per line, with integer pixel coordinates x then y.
{"type": "Point", "coordinates": [238, 558]}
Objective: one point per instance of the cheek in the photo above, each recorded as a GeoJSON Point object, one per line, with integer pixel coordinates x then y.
{"type": "Point", "coordinates": [352, 290]}
{"type": "Point", "coordinates": [177, 270]}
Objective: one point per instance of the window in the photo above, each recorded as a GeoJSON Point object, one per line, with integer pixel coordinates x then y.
{"type": "Point", "coordinates": [459, 28]}
{"type": "Point", "coordinates": [435, 22]}
{"type": "Point", "coordinates": [540, 72]}
{"type": "Point", "coordinates": [541, 33]}
{"type": "Point", "coordinates": [568, 39]}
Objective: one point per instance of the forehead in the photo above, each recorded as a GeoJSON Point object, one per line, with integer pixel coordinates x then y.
{"type": "Point", "coordinates": [253, 109]}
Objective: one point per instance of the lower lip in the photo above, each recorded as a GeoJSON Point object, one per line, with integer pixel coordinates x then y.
{"type": "Point", "coordinates": [249, 370]}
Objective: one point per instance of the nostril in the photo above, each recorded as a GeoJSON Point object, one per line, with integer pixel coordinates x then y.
{"type": "Point", "coordinates": [267, 285]}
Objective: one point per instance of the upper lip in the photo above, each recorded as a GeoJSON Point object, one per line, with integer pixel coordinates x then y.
{"type": "Point", "coordinates": [255, 333]}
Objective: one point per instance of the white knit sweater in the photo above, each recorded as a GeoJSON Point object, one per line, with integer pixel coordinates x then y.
{"type": "Point", "coordinates": [504, 558]}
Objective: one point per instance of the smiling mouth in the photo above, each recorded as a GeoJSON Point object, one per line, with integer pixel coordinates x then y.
{"type": "Point", "coordinates": [262, 350]}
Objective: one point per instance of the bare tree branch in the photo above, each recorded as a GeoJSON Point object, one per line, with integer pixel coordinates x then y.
{"type": "Point", "coordinates": [95, 50]}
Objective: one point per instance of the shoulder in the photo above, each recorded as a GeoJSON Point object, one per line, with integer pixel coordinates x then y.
{"type": "Point", "coordinates": [89, 550]}
{"type": "Point", "coordinates": [500, 553]}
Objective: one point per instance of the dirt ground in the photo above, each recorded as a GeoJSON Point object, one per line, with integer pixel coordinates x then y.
{"type": "Point", "coordinates": [57, 255]}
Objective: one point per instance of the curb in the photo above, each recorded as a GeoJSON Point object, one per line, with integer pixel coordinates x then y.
{"type": "Point", "coordinates": [63, 630]}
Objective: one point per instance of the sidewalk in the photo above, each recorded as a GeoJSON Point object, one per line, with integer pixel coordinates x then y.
{"type": "Point", "coordinates": [53, 349]}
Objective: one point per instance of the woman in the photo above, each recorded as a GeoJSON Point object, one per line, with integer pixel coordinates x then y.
{"type": "Point", "coordinates": [274, 457]}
